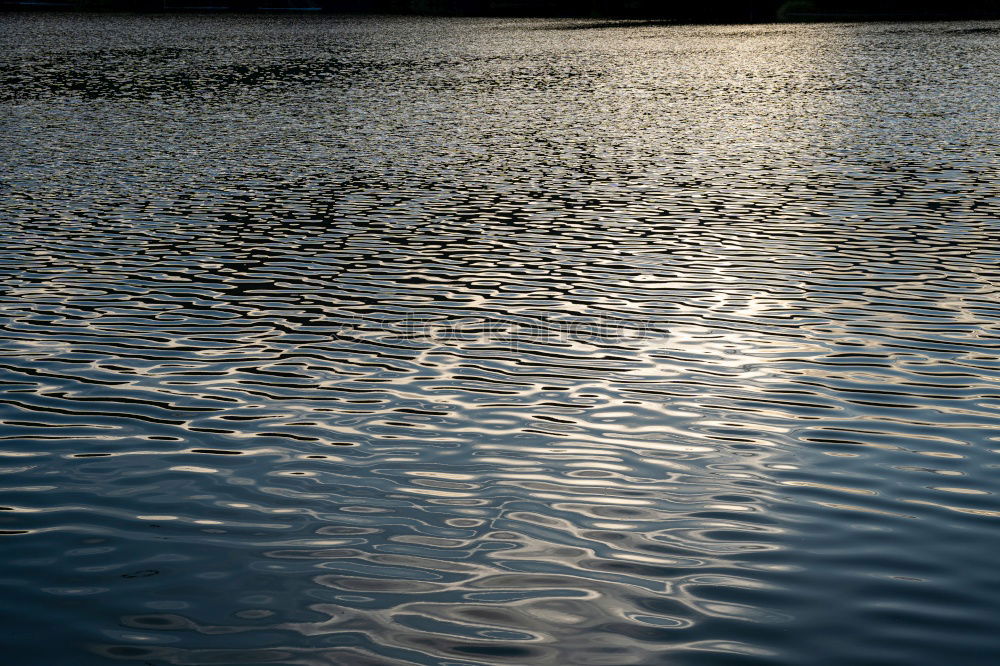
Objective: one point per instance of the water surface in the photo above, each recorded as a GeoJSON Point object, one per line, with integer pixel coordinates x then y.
{"type": "Point", "coordinates": [474, 342]}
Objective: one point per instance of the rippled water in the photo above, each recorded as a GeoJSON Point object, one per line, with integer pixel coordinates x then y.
{"type": "Point", "coordinates": [474, 342]}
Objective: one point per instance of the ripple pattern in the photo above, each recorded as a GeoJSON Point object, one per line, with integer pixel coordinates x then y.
{"type": "Point", "coordinates": [472, 342]}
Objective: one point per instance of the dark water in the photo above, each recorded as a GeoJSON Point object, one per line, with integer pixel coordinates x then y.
{"type": "Point", "coordinates": [474, 342]}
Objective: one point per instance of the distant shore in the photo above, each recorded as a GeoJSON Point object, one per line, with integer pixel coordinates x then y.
{"type": "Point", "coordinates": [714, 11]}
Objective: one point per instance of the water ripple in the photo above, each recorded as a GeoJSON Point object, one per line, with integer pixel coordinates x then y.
{"type": "Point", "coordinates": [471, 342]}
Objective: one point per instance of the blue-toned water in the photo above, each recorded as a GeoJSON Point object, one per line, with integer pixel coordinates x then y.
{"type": "Point", "coordinates": [385, 341]}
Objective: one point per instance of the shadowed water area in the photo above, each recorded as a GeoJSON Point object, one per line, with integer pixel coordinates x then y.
{"type": "Point", "coordinates": [471, 342]}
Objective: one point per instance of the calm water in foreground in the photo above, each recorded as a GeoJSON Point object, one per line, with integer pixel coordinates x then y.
{"type": "Point", "coordinates": [386, 341]}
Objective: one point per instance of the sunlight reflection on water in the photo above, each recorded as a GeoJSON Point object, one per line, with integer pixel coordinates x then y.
{"type": "Point", "coordinates": [353, 340]}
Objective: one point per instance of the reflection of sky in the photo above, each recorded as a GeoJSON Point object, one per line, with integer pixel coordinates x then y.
{"type": "Point", "coordinates": [740, 402]}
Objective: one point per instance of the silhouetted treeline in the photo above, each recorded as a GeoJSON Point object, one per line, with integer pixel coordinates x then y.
{"type": "Point", "coordinates": [674, 10]}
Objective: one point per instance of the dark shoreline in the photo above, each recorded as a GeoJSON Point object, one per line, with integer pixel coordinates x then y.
{"type": "Point", "coordinates": [646, 11]}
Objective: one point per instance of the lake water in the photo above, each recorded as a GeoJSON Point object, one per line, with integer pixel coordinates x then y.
{"type": "Point", "coordinates": [385, 341]}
